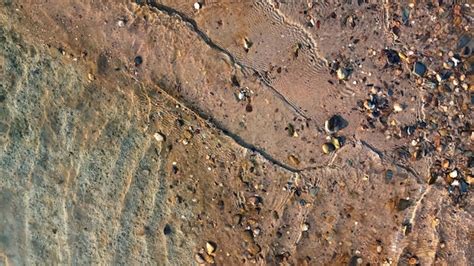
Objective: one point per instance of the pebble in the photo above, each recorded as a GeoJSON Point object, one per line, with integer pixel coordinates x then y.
{"type": "Point", "coordinates": [412, 261]}
{"type": "Point", "coordinates": [419, 69]}
{"type": "Point", "coordinates": [159, 137]}
{"type": "Point", "coordinates": [342, 73]}
{"type": "Point", "coordinates": [397, 107]}
{"type": "Point", "coordinates": [293, 159]}
{"type": "Point", "coordinates": [453, 174]}
{"type": "Point", "coordinates": [305, 227]}
{"type": "Point", "coordinates": [328, 147]}
{"type": "Point", "coordinates": [403, 204]}
{"type": "Point", "coordinates": [199, 259]}
{"type": "Point", "coordinates": [379, 249]}
{"type": "Point", "coordinates": [138, 60]}
{"type": "Point", "coordinates": [334, 124]}
{"type": "Point", "coordinates": [197, 6]}
{"type": "Point", "coordinates": [336, 142]}
{"type": "Point", "coordinates": [446, 164]}
{"type": "Point", "coordinates": [247, 44]}
{"type": "Point", "coordinates": [210, 247]}
{"type": "Point", "coordinates": [90, 76]}
{"type": "Point", "coordinates": [392, 56]}
{"type": "Point", "coordinates": [208, 258]}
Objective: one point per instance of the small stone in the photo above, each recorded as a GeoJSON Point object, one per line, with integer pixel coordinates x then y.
{"type": "Point", "coordinates": [359, 261]}
{"type": "Point", "coordinates": [403, 204]}
{"type": "Point", "coordinates": [293, 160]}
{"type": "Point", "coordinates": [138, 60]}
{"type": "Point", "coordinates": [453, 174]}
{"type": "Point", "coordinates": [379, 249]}
{"type": "Point", "coordinates": [342, 73]}
{"type": "Point", "coordinates": [159, 137]}
{"type": "Point", "coordinates": [167, 230]}
{"type": "Point", "coordinates": [328, 148]}
{"type": "Point", "coordinates": [334, 124]}
{"type": "Point", "coordinates": [413, 261]}
{"type": "Point", "coordinates": [90, 76]}
{"type": "Point", "coordinates": [419, 69]}
{"type": "Point", "coordinates": [208, 258]}
{"type": "Point", "coordinates": [188, 134]}
{"type": "Point", "coordinates": [336, 142]}
{"type": "Point", "coordinates": [247, 44]}
{"type": "Point", "coordinates": [369, 105]}
{"type": "Point", "coordinates": [197, 6]}
{"type": "Point", "coordinates": [254, 249]}
{"type": "Point", "coordinates": [392, 56]}
{"type": "Point", "coordinates": [446, 164]}
{"type": "Point", "coordinates": [210, 247]}
{"type": "Point", "coordinates": [199, 258]}
{"type": "Point", "coordinates": [305, 227]}
{"type": "Point", "coordinates": [397, 107]}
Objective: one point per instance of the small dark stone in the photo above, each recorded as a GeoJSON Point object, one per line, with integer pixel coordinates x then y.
{"type": "Point", "coordinates": [235, 81]}
{"type": "Point", "coordinates": [167, 230]}
{"type": "Point", "coordinates": [445, 74]}
{"type": "Point", "coordinates": [463, 186]}
{"type": "Point", "coordinates": [248, 108]}
{"type": "Point", "coordinates": [403, 204]}
{"type": "Point", "coordinates": [138, 60]}
{"type": "Point", "coordinates": [175, 169]}
{"type": "Point", "coordinates": [291, 130]}
{"type": "Point", "coordinates": [419, 69]}
{"type": "Point", "coordinates": [335, 123]}
{"type": "Point", "coordinates": [396, 31]}
{"type": "Point", "coordinates": [392, 56]}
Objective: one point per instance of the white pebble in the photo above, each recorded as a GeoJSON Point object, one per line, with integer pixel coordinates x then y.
{"type": "Point", "coordinates": [453, 174]}
{"type": "Point", "coordinates": [305, 227]}
{"type": "Point", "coordinates": [397, 107]}
{"type": "Point", "coordinates": [158, 137]}
{"type": "Point", "coordinates": [197, 5]}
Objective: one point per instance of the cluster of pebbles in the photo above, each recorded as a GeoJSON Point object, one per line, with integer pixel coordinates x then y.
{"type": "Point", "coordinates": [444, 130]}
{"type": "Point", "coordinates": [332, 126]}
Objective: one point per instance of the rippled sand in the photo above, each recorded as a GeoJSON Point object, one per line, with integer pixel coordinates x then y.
{"type": "Point", "coordinates": [135, 132]}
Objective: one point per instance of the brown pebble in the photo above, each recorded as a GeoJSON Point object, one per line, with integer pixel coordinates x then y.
{"type": "Point", "coordinates": [293, 160]}
{"type": "Point", "coordinates": [208, 258]}
{"type": "Point", "coordinates": [254, 249]}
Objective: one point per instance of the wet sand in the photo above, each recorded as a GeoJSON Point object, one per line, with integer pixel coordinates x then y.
{"type": "Point", "coordinates": [155, 132]}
